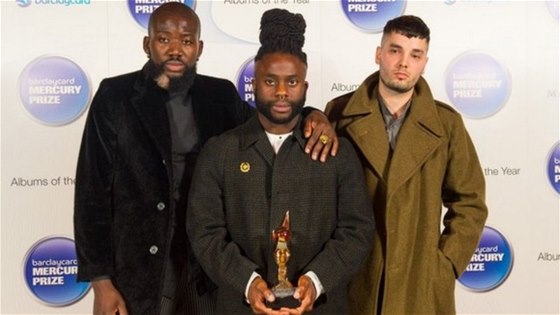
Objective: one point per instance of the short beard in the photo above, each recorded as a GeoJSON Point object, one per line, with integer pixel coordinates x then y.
{"type": "Point", "coordinates": [176, 84]}
{"type": "Point", "coordinates": [264, 109]}
{"type": "Point", "coordinates": [395, 86]}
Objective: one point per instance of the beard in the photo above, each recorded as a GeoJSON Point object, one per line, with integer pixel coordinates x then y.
{"type": "Point", "coordinates": [176, 84]}
{"type": "Point", "coordinates": [264, 108]}
{"type": "Point", "coordinates": [399, 87]}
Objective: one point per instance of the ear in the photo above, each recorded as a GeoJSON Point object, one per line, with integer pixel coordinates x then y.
{"type": "Point", "coordinates": [378, 55]}
{"type": "Point", "coordinates": [200, 49]}
{"type": "Point", "coordinates": [146, 45]}
{"type": "Point", "coordinates": [254, 84]}
{"type": "Point", "coordinates": [424, 66]}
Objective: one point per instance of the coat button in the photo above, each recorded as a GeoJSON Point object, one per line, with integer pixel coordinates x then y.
{"type": "Point", "coordinates": [164, 162]}
{"type": "Point", "coordinates": [153, 249]}
{"type": "Point", "coordinates": [160, 206]}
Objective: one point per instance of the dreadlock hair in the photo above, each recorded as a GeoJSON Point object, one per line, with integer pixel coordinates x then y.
{"type": "Point", "coordinates": [409, 26]}
{"type": "Point", "coordinates": [282, 31]}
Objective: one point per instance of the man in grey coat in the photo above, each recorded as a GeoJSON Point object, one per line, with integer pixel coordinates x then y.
{"type": "Point", "coordinates": [247, 179]}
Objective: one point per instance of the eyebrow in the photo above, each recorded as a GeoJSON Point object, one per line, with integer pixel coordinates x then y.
{"type": "Point", "coordinates": [415, 50]}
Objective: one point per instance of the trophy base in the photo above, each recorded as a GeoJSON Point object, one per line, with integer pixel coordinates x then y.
{"type": "Point", "coordinates": [284, 298]}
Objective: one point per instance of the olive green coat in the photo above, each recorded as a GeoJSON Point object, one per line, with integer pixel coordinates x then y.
{"type": "Point", "coordinates": [434, 163]}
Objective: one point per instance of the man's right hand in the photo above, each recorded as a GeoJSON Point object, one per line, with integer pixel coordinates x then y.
{"type": "Point", "coordinates": [258, 294]}
{"type": "Point", "coordinates": [107, 300]}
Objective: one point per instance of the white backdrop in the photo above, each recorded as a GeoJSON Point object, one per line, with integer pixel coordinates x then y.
{"type": "Point", "coordinates": [520, 132]}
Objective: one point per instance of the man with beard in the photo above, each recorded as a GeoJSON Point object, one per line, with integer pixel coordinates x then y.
{"type": "Point", "coordinates": [246, 180]}
{"type": "Point", "coordinates": [417, 157]}
{"type": "Point", "coordinates": [141, 140]}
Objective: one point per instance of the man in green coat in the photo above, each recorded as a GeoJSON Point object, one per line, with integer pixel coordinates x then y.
{"type": "Point", "coordinates": [417, 156]}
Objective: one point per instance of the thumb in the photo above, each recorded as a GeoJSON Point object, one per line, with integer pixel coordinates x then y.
{"type": "Point", "coordinates": [269, 296]}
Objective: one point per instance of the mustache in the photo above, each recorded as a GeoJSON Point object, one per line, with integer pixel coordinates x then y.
{"type": "Point", "coordinates": [173, 59]}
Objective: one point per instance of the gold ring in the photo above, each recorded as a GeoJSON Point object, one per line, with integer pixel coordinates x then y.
{"type": "Point", "coordinates": [324, 139]}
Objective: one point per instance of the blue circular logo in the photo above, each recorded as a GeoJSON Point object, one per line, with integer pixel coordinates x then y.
{"type": "Point", "coordinates": [142, 9]}
{"type": "Point", "coordinates": [244, 79]}
{"type": "Point", "coordinates": [54, 90]}
{"type": "Point", "coordinates": [553, 167]}
{"type": "Point", "coordinates": [477, 85]}
{"type": "Point", "coordinates": [51, 268]}
{"type": "Point", "coordinates": [372, 15]}
{"type": "Point", "coordinates": [23, 3]}
{"type": "Point", "coordinates": [490, 264]}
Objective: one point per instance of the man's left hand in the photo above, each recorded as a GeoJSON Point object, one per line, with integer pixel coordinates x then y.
{"type": "Point", "coordinates": [306, 294]}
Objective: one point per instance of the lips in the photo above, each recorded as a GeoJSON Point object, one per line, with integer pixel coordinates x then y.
{"type": "Point", "coordinates": [281, 107]}
{"type": "Point", "coordinates": [174, 66]}
{"type": "Point", "coordinates": [401, 75]}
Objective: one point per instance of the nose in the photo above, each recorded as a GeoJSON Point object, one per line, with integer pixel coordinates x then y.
{"type": "Point", "coordinates": [403, 62]}
{"type": "Point", "coordinates": [174, 48]}
{"type": "Point", "coordinates": [281, 91]}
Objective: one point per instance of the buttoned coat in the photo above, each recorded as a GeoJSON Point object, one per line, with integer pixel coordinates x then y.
{"type": "Point", "coordinates": [241, 191]}
{"type": "Point", "coordinates": [123, 199]}
{"type": "Point", "coordinates": [434, 164]}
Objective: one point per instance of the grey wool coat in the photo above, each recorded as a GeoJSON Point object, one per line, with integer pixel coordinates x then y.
{"type": "Point", "coordinates": [123, 200]}
{"type": "Point", "coordinates": [232, 211]}
{"type": "Point", "coordinates": [434, 164]}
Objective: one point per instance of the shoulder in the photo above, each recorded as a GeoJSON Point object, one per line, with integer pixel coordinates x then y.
{"type": "Point", "coordinates": [448, 115]}
{"type": "Point", "coordinates": [215, 90]}
{"type": "Point", "coordinates": [346, 154]}
{"type": "Point", "coordinates": [346, 146]}
{"type": "Point", "coordinates": [223, 141]}
{"type": "Point", "coordinates": [335, 107]}
{"type": "Point", "coordinates": [123, 81]}
{"type": "Point", "coordinates": [213, 83]}
{"type": "Point", "coordinates": [117, 87]}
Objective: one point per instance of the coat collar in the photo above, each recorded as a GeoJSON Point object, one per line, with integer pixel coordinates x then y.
{"type": "Point", "coordinates": [420, 135]}
{"type": "Point", "coordinates": [253, 135]}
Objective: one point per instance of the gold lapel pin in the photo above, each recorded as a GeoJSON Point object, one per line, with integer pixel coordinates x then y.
{"type": "Point", "coordinates": [245, 167]}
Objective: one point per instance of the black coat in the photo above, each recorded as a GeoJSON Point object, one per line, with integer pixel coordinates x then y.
{"type": "Point", "coordinates": [123, 198]}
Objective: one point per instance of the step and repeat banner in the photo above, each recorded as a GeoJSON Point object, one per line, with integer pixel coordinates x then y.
{"type": "Point", "coordinates": [496, 62]}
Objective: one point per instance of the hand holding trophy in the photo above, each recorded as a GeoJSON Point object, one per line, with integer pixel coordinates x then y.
{"type": "Point", "coordinates": [283, 290]}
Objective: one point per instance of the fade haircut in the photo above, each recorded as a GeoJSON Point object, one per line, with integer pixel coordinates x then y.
{"type": "Point", "coordinates": [409, 26]}
{"type": "Point", "coordinates": [282, 31]}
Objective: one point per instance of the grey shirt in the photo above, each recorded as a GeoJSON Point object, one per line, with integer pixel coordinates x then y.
{"type": "Point", "coordinates": [392, 124]}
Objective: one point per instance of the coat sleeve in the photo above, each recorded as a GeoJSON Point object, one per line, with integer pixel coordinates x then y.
{"type": "Point", "coordinates": [219, 256]}
{"type": "Point", "coordinates": [92, 197]}
{"type": "Point", "coordinates": [352, 238]}
{"type": "Point", "coordinates": [464, 197]}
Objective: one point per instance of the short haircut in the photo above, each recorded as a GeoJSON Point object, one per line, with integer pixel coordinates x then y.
{"type": "Point", "coordinates": [409, 26]}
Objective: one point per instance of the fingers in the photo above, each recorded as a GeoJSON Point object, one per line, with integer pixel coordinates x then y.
{"type": "Point", "coordinates": [122, 310]}
{"type": "Point", "coordinates": [306, 294]}
{"type": "Point", "coordinates": [321, 137]}
{"type": "Point", "coordinates": [258, 294]}
{"type": "Point", "coordinates": [107, 299]}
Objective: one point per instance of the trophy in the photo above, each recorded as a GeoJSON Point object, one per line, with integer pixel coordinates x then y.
{"type": "Point", "coordinates": [284, 290]}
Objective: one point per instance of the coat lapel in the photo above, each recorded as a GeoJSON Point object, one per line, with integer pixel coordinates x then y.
{"type": "Point", "coordinates": [367, 128]}
{"type": "Point", "coordinates": [149, 104]}
{"type": "Point", "coordinates": [420, 135]}
{"type": "Point", "coordinates": [253, 134]}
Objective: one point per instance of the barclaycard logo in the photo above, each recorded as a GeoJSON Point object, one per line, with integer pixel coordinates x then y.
{"type": "Point", "coordinates": [23, 3]}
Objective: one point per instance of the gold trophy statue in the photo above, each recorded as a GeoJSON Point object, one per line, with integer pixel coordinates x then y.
{"type": "Point", "coordinates": [284, 290]}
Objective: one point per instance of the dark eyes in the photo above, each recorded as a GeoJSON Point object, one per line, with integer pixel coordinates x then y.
{"type": "Point", "coordinates": [165, 40]}
{"type": "Point", "coordinates": [271, 82]}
